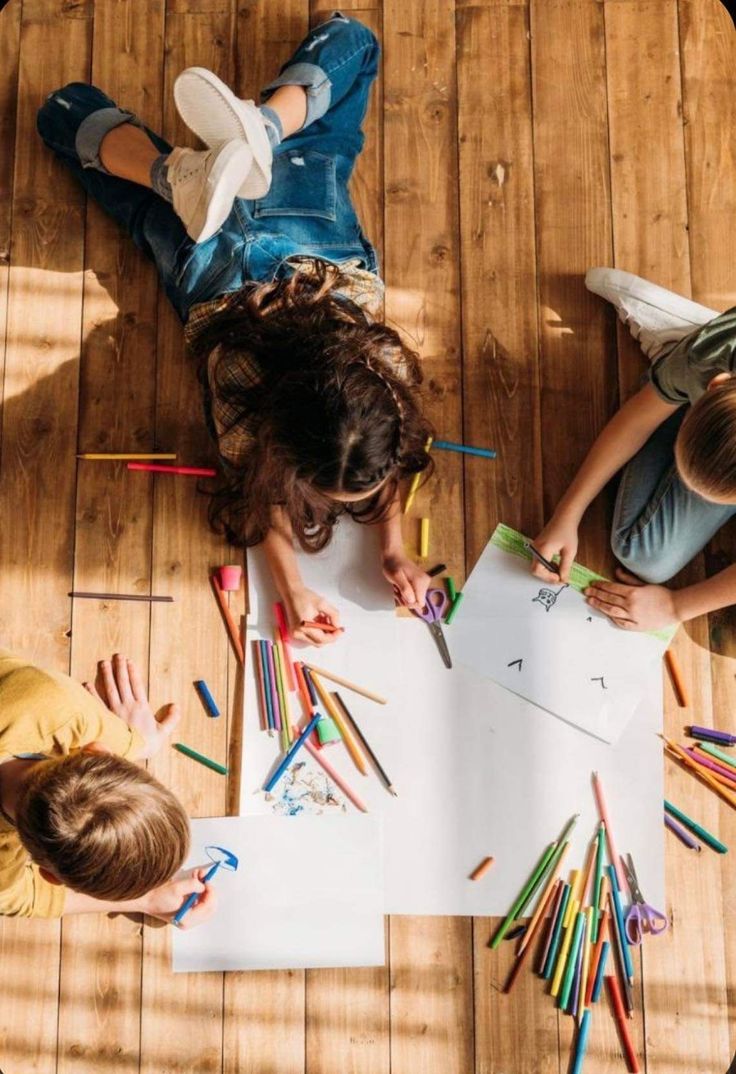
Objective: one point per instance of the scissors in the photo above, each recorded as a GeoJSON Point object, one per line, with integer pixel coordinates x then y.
{"type": "Point", "coordinates": [641, 917]}
{"type": "Point", "coordinates": [431, 614]}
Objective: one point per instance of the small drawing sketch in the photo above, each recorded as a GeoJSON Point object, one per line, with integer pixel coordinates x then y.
{"type": "Point", "coordinates": [601, 681]}
{"type": "Point", "coordinates": [516, 664]}
{"type": "Point", "coordinates": [589, 619]}
{"type": "Point", "coordinates": [547, 597]}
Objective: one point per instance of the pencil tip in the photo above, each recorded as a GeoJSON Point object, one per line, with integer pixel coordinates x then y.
{"type": "Point", "coordinates": [392, 791]}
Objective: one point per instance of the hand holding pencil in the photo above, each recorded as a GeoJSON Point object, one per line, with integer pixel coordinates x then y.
{"type": "Point", "coordinates": [311, 618]}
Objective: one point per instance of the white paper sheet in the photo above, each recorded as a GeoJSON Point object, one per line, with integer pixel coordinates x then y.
{"type": "Point", "coordinates": [544, 642]}
{"type": "Point", "coordinates": [308, 892]}
{"type": "Point", "coordinates": [478, 769]}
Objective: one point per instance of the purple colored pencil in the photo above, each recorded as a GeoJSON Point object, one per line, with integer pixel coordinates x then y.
{"type": "Point", "coordinates": [274, 690]}
{"type": "Point", "coordinates": [681, 834]}
{"type": "Point", "coordinates": [714, 736]}
{"type": "Point", "coordinates": [266, 684]}
{"type": "Point", "coordinates": [727, 773]}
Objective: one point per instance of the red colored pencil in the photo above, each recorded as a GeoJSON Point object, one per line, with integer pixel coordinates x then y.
{"type": "Point", "coordinates": [185, 471]}
{"type": "Point", "coordinates": [614, 994]}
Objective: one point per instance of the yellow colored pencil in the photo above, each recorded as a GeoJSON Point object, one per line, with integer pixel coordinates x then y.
{"type": "Point", "coordinates": [564, 950]}
{"type": "Point", "coordinates": [586, 962]}
{"type": "Point", "coordinates": [350, 743]}
{"type": "Point", "coordinates": [543, 899]}
{"type": "Point", "coordinates": [424, 538]}
{"type": "Point", "coordinates": [415, 481]}
{"type": "Point", "coordinates": [126, 456]}
{"type": "Point", "coordinates": [574, 897]}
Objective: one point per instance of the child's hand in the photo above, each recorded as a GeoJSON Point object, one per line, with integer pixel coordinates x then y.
{"type": "Point", "coordinates": [557, 537]}
{"type": "Point", "coordinates": [304, 605]}
{"type": "Point", "coordinates": [120, 688]}
{"type": "Point", "coordinates": [410, 582]}
{"type": "Point", "coordinates": [634, 605]}
{"type": "Point", "coordinates": [166, 901]}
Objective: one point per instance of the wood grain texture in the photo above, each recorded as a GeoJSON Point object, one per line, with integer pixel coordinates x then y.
{"type": "Point", "coordinates": [9, 56]}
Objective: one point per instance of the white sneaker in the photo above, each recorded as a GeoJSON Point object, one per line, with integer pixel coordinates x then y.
{"type": "Point", "coordinates": [212, 111]}
{"type": "Point", "coordinates": [656, 317]}
{"type": "Point", "coordinates": [205, 184]}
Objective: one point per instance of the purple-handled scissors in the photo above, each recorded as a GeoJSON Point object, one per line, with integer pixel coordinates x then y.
{"type": "Point", "coordinates": [432, 612]}
{"type": "Point", "coordinates": [641, 917]}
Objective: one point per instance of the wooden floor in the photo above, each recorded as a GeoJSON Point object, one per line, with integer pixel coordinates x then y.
{"type": "Point", "coordinates": [511, 144]}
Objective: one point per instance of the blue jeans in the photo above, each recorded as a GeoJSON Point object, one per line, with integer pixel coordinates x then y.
{"type": "Point", "coordinates": [307, 211]}
{"type": "Point", "coordinates": [659, 524]}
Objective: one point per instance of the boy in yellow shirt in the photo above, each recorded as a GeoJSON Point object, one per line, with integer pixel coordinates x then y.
{"type": "Point", "coordinates": [83, 828]}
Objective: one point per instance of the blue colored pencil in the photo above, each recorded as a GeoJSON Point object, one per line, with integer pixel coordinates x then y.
{"type": "Point", "coordinates": [206, 697]}
{"type": "Point", "coordinates": [556, 935]}
{"type": "Point", "coordinates": [289, 756]}
{"type": "Point", "coordinates": [265, 668]}
{"type": "Point", "coordinates": [599, 972]}
{"type": "Point", "coordinates": [464, 449]}
{"type": "Point", "coordinates": [572, 1007]}
{"type": "Point", "coordinates": [620, 927]}
{"type": "Point", "coordinates": [581, 1044]}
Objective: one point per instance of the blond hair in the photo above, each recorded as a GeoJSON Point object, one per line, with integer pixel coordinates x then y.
{"type": "Point", "coordinates": [103, 825]}
{"type": "Point", "coordinates": [705, 449]}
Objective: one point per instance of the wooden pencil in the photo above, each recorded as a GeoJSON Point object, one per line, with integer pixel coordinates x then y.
{"type": "Point", "coordinates": [122, 596]}
{"type": "Point", "coordinates": [126, 456]}
{"type": "Point", "coordinates": [324, 674]}
{"type": "Point", "coordinates": [364, 743]}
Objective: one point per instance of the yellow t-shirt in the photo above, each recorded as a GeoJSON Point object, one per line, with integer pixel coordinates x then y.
{"type": "Point", "coordinates": [44, 712]}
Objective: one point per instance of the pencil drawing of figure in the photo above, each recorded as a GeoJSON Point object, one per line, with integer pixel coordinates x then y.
{"type": "Point", "coordinates": [547, 597]}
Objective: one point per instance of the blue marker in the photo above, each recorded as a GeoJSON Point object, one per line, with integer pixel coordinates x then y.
{"type": "Point", "coordinates": [206, 697]}
{"type": "Point", "coordinates": [599, 972]}
{"type": "Point", "coordinates": [582, 1044]}
{"type": "Point", "coordinates": [288, 757]}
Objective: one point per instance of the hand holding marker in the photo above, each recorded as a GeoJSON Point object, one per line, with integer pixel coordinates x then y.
{"type": "Point", "coordinates": [220, 858]}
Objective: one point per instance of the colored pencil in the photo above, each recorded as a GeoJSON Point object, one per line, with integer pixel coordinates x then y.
{"type": "Point", "coordinates": [585, 893]}
{"type": "Point", "coordinates": [464, 449]}
{"type": "Point", "coordinates": [182, 471]}
{"type": "Point", "coordinates": [595, 957]}
{"type": "Point", "coordinates": [587, 950]}
{"type": "Point", "coordinates": [574, 893]}
{"type": "Point", "coordinates": [604, 816]}
{"type": "Point", "coordinates": [524, 895]}
{"type": "Point", "coordinates": [350, 743]}
{"type": "Point", "coordinates": [555, 866]}
{"type": "Point", "coordinates": [347, 684]}
{"type": "Point", "coordinates": [328, 628]}
{"type": "Point", "coordinates": [522, 954]}
{"type": "Point", "coordinates": [283, 626]}
{"type": "Point", "coordinates": [618, 1013]}
{"type": "Point", "coordinates": [230, 625]}
{"type": "Point", "coordinates": [439, 569]}
{"type": "Point", "coordinates": [451, 590]}
{"type": "Point", "coordinates": [552, 917]}
{"type": "Point", "coordinates": [291, 753]}
{"type": "Point", "coordinates": [577, 975]}
{"type": "Point", "coordinates": [598, 879]}
{"type": "Point", "coordinates": [564, 950]}
{"type": "Point", "coordinates": [302, 688]}
{"type": "Point", "coordinates": [335, 776]}
{"type": "Point", "coordinates": [275, 699]}
{"type": "Point", "coordinates": [125, 456]}
{"type": "Point", "coordinates": [581, 1044]}
{"type": "Point", "coordinates": [206, 697]}
{"type": "Point", "coordinates": [693, 825]}
{"type": "Point", "coordinates": [728, 775]}
{"type": "Point", "coordinates": [454, 607]}
{"type": "Point", "coordinates": [258, 673]}
{"type": "Point", "coordinates": [278, 657]}
{"type": "Point", "coordinates": [699, 771]}
{"type": "Point", "coordinates": [681, 833]}
{"type": "Point", "coordinates": [206, 761]}
{"type": "Point", "coordinates": [364, 743]}
{"type": "Point", "coordinates": [548, 959]}
{"type": "Point", "coordinates": [423, 538]}
{"type": "Point", "coordinates": [729, 761]}
{"type": "Point", "coordinates": [572, 959]}
{"type": "Point", "coordinates": [678, 683]}
{"type": "Point", "coordinates": [415, 481]}
{"type": "Point", "coordinates": [481, 869]}
{"type": "Point", "coordinates": [618, 946]}
{"type": "Point", "coordinates": [265, 684]}
{"type": "Point", "coordinates": [710, 733]}
{"type": "Point", "coordinates": [619, 913]}
{"type": "Point", "coordinates": [599, 972]}
{"type": "Point", "coordinates": [122, 596]}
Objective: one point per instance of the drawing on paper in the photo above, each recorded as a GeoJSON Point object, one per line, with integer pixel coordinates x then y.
{"type": "Point", "coordinates": [547, 597]}
{"type": "Point", "coordinates": [600, 679]}
{"type": "Point", "coordinates": [515, 664]}
{"type": "Point", "coordinates": [304, 791]}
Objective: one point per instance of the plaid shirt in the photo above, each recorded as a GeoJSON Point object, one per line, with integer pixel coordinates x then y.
{"type": "Point", "coordinates": [235, 433]}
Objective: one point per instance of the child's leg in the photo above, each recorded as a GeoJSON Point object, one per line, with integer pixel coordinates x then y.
{"type": "Point", "coordinates": [659, 525]}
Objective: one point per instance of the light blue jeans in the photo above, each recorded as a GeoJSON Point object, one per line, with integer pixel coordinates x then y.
{"type": "Point", "coordinates": [659, 524]}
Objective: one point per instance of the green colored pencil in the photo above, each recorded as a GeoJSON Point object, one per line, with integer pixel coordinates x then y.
{"type": "Point", "coordinates": [206, 761]}
{"type": "Point", "coordinates": [524, 895]}
{"type": "Point", "coordinates": [455, 605]}
{"type": "Point", "coordinates": [451, 591]}
{"type": "Point", "coordinates": [725, 758]}
{"type": "Point", "coordinates": [598, 879]}
{"type": "Point", "coordinates": [556, 935]}
{"type": "Point", "coordinates": [572, 958]}
{"type": "Point", "coordinates": [705, 835]}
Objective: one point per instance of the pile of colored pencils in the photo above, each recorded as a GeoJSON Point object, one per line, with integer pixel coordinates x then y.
{"type": "Point", "coordinates": [577, 924]}
{"type": "Point", "coordinates": [709, 763]}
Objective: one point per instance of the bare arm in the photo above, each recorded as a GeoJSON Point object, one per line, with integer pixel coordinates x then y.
{"type": "Point", "coordinates": [410, 581]}
{"type": "Point", "coordinates": [626, 432]}
{"type": "Point", "coordinates": [163, 902]}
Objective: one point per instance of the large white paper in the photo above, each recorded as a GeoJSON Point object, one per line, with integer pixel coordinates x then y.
{"type": "Point", "coordinates": [307, 893]}
{"type": "Point", "coordinates": [544, 642]}
{"type": "Point", "coordinates": [478, 770]}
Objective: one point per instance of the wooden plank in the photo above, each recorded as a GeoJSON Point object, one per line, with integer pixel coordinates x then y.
{"type": "Point", "coordinates": [44, 299]}
{"type": "Point", "coordinates": [500, 408]}
{"type": "Point", "coordinates": [181, 1015]}
{"type": "Point", "coordinates": [9, 50]}
{"type": "Point", "coordinates": [430, 958]}
{"type": "Point", "coordinates": [101, 956]}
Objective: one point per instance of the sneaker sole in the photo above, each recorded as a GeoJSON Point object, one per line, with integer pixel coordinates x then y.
{"type": "Point", "coordinates": [211, 111]}
{"type": "Point", "coordinates": [612, 284]}
{"type": "Point", "coordinates": [226, 177]}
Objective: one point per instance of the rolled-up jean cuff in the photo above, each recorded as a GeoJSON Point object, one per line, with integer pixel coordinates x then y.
{"type": "Point", "coordinates": [315, 82]}
{"type": "Point", "coordinates": [93, 129]}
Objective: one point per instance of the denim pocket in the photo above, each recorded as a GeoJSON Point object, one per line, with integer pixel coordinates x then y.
{"type": "Point", "coordinates": [304, 184]}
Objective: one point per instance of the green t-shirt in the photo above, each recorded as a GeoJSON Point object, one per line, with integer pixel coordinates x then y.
{"type": "Point", "coordinates": [682, 374]}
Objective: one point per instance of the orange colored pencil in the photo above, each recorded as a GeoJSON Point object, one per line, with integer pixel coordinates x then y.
{"type": "Point", "coordinates": [229, 621]}
{"type": "Point", "coordinates": [547, 901]}
{"type": "Point", "coordinates": [350, 743]}
{"type": "Point", "coordinates": [699, 771]}
{"type": "Point", "coordinates": [678, 683]}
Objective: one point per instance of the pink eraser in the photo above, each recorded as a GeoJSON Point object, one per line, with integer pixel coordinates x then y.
{"type": "Point", "coordinates": [230, 578]}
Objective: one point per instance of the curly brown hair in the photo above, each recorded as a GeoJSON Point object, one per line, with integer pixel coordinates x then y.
{"type": "Point", "coordinates": [337, 410]}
